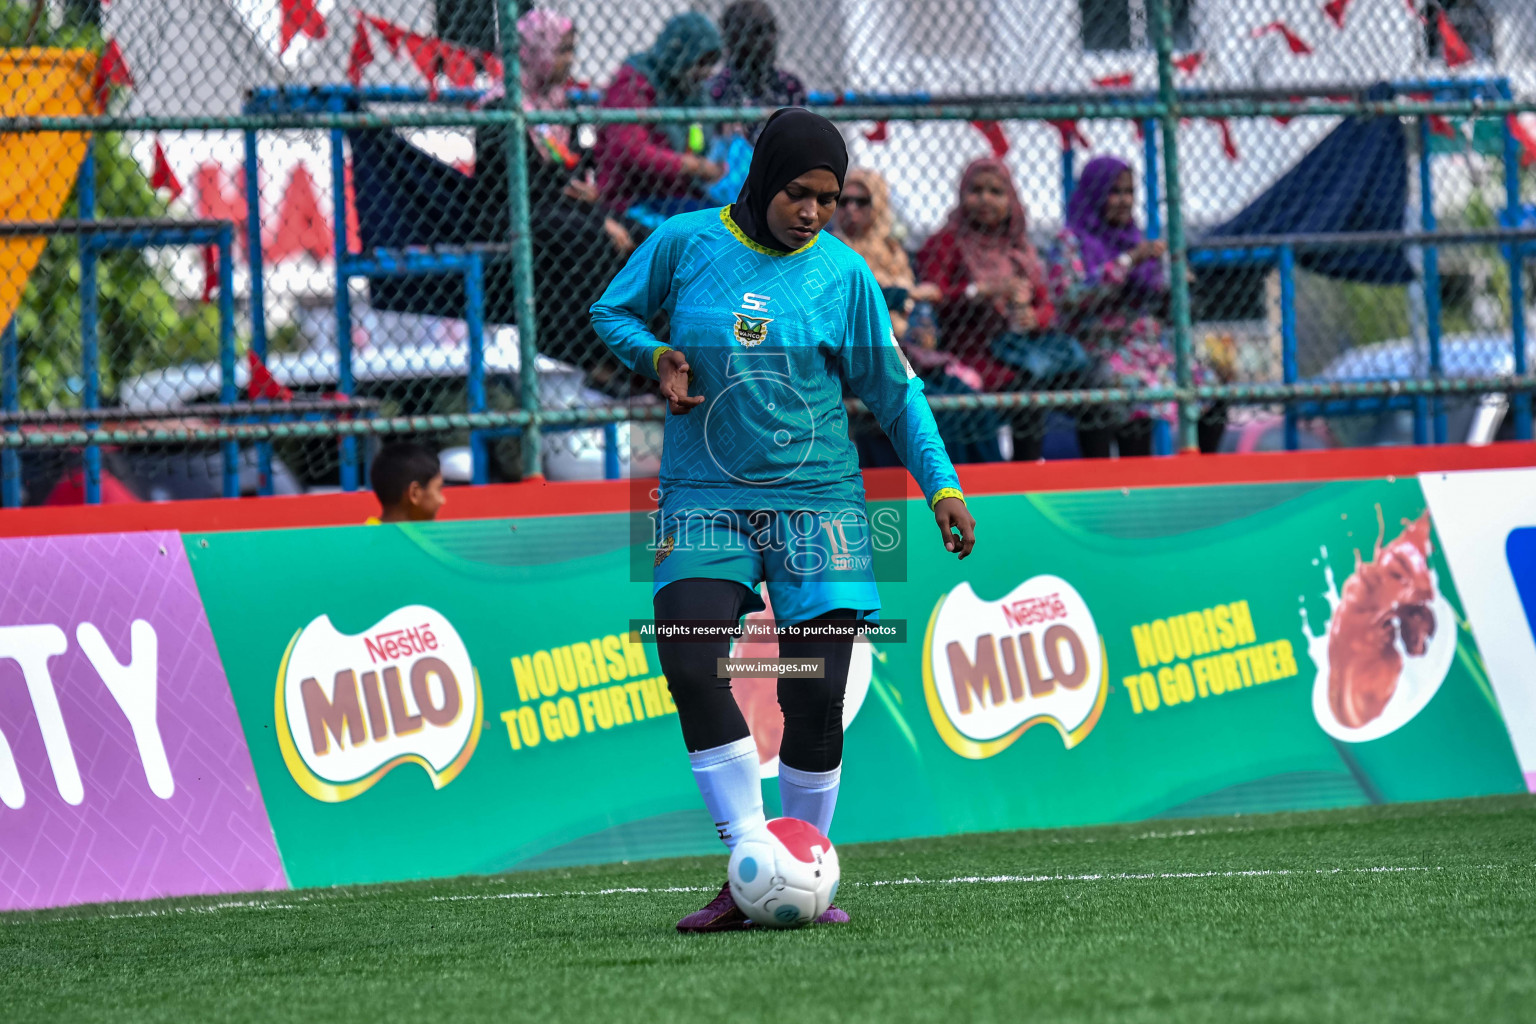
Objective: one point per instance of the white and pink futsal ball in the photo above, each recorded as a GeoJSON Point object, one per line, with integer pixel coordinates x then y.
{"type": "Point", "coordinates": [785, 874]}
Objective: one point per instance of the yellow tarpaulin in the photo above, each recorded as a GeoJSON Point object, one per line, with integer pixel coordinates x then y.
{"type": "Point", "coordinates": [38, 169]}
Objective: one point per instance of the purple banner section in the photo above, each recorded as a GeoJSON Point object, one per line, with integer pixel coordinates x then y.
{"type": "Point", "coordinates": [123, 770]}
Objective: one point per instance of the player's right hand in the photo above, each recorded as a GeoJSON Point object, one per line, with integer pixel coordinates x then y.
{"type": "Point", "coordinates": [953, 517]}
{"type": "Point", "coordinates": [672, 369]}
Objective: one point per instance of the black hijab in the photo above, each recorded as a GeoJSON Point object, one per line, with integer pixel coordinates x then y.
{"type": "Point", "coordinates": [793, 141]}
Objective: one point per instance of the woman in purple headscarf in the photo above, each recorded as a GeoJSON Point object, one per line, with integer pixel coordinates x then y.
{"type": "Point", "coordinates": [1111, 293]}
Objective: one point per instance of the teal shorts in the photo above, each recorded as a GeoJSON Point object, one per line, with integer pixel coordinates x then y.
{"type": "Point", "coordinates": [811, 562]}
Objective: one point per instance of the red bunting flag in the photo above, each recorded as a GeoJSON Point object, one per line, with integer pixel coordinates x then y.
{"type": "Point", "coordinates": [111, 70]}
{"type": "Point", "coordinates": [300, 17]}
{"type": "Point", "coordinates": [362, 53]}
{"type": "Point", "coordinates": [879, 133]}
{"type": "Point", "coordinates": [1071, 134]}
{"type": "Point", "coordinates": [426, 52]}
{"type": "Point", "coordinates": [1452, 46]}
{"type": "Point", "coordinates": [432, 56]}
{"type": "Point", "coordinates": [162, 176]}
{"type": "Point", "coordinates": [210, 272]}
{"type": "Point", "coordinates": [393, 34]}
{"type": "Point", "coordinates": [1437, 124]}
{"type": "Point", "coordinates": [1189, 62]}
{"type": "Point", "coordinates": [1228, 143]}
{"type": "Point", "coordinates": [1526, 139]}
{"type": "Point", "coordinates": [994, 133]}
{"type": "Point", "coordinates": [1335, 10]}
{"type": "Point", "coordinates": [458, 66]}
{"type": "Point", "coordinates": [1297, 44]}
{"type": "Point", "coordinates": [263, 384]}
{"type": "Point", "coordinates": [1119, 81]}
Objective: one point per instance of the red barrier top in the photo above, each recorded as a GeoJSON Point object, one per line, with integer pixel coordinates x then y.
{"type": "Point", "coordinates": [540, 498]}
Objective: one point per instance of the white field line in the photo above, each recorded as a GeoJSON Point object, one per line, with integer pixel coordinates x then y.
{"type": "Point", "coordinates": [296, 900]}
{"type": "Point", "coordinates": [977, 880]}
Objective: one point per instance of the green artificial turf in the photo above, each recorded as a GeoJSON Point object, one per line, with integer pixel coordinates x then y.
{"type": "Point", "coordinates": [1405, 913]}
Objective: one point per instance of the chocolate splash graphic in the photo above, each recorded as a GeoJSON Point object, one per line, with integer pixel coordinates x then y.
{"type": "Point", "coordinates": [1383, 613]}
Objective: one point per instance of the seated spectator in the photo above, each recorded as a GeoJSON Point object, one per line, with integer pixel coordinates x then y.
{"type": "Point", "coordinates": [749, 78]}
{"type": "Point", "coordinates": [866, 224]}
{"type": "Point", "coordinates": [578, 247]}
{"type": "Point", "coordinates": [1108, 281]}
{"type": "Point", "coordinates": [557, 168]}
{"type": "Point", "coordinates": [408, 481]}
{"type": "Point", "coordinates": [653, 164]}
{"type": "Point", "coordinates": [992, 285]}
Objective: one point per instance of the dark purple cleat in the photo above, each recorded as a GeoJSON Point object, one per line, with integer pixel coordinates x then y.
{"type": "Point", "coordinates": [833, 915]}
{"type": "Point", "coordinates": [720, 915]}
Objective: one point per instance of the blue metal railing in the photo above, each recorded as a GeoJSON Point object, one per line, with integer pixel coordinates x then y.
{"type": "Point", "coordinates": [1430, 418]}
{"type": "Point", "coordinates": [95, 237]}
{"type": "Point", "coordinates": [1279, 252]}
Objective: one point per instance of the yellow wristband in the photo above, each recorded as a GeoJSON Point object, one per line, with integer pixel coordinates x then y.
{"type": "Point", "coordinates": [661, 350]}
{"type": "Point", "coordinates": [945, 492]}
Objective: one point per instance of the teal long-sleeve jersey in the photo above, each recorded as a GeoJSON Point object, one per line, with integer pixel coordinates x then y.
{"type": "Point", "coordinates": [770, 339]}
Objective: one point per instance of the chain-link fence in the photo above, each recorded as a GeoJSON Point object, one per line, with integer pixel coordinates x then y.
{"type": "Point", "coordinates": [247, 240]}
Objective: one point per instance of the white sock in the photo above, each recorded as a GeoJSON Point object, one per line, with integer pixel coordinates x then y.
{"type": "Point", "coordinates": [729, 780]}
{"type": "Point", "coordinates": [809, 796]}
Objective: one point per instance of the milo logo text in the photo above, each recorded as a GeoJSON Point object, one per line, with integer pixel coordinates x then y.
{"type": "Point", "coordinates": [992, 669]}
{"type": "Point", "coordinates": [349, 708]}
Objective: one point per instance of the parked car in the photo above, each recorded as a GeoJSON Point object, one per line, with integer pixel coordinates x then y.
{"type": "Point", "coordinates": [419, 366]}
{"type": "Point", "coordinates": [57, 476]}
{"type": "Point", "coordinates": [1470, 419]}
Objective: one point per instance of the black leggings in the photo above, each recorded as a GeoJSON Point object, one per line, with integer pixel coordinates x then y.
{"type": "Point", "coordinates": [710, 717]}
{"type": "Point", "coordinates": [1135, 437]}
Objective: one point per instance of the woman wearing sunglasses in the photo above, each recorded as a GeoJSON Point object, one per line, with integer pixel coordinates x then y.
{"type": "Point", "coordinates": [866, 224]}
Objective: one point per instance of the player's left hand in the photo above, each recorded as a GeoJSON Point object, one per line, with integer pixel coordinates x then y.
{"type": "Point", "coordinates": [951, 515]}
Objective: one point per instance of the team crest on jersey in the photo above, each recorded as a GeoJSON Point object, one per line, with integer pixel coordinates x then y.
{"type": "Point", "coordinates": [751, 330]}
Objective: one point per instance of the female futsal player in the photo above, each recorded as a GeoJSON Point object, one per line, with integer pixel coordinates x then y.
{"type": "Point", "coordinates": [760, 482]}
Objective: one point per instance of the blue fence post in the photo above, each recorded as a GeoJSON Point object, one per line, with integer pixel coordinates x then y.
{"type": "Point", "coordinates": [474, 322]}
{"type": "Point", "coordinates": [1154, 194]}
{"type": "Point", "coordinates": [90, 354]}
{"type": "Point", "coordinates": [1068, 173]}
{"type": "Point", "coordinates": [253, 237]}
{"type": "Point", "coordinates": [227, 390]}
{"type": "Point", "coordinates": [1512, 213]}
{"type": "Point", "coordinates": [1162, 434]}
{"type": "Point", "coordinates": [612, 467]}
{"type": "Point", "coordinates": [1288, 339]}
{"type": "Point", "coordinates": [1432, 312]}
{"type": "Point", "coordinates": [258, 290]}
{"type": "Point", "coordinates": [10, 401]}
{"type": "Point", "coordinates": [344, 383]}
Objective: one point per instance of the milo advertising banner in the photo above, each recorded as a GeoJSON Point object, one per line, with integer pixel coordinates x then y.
{"type": "Point", "coordinates": [468, 696]}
